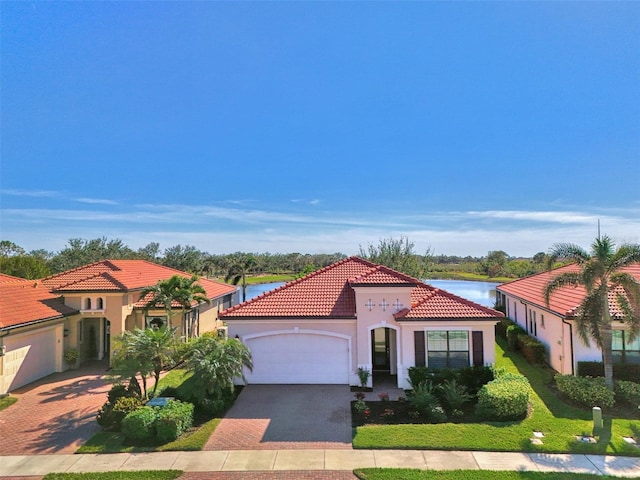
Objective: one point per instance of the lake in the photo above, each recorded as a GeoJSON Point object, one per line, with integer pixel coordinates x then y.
{"type": "Point", "coordinates": [483, 293]}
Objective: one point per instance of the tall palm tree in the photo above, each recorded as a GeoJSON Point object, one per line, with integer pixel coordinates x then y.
{"type": "Point", "coordinates": [239, 266]}
{"type": "Point", "coordinates": [606, 286]}
{"type": "Point", "coordinates": [175, 290]}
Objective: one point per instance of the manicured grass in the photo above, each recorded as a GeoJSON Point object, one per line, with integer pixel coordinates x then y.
{"type": "Point", "coordinates": [6, 402]}
{"type": "Point", "coordinates": [114, 442]}
{"type": "Point", "coordinates": [141, 475]}
{"type": "Point", "coordinates": [560, 423]}
{"type": "Point", "coordinates": [409, 474]}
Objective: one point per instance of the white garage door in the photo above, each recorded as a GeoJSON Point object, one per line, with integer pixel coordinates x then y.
{"type": "Point", "coordinates": [299, 358]}
{"type": "Point", "coordinates": [29, 357]}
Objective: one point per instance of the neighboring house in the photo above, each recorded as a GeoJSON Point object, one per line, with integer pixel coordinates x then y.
{"type": "Point", "coordinates": [86, 308]}
{"type": "Point", "coordinates": [554, 325]}
{"type": "Point", "coordinates": [355, 314]}
{"type": "Point", "coordinates": [32, 322]}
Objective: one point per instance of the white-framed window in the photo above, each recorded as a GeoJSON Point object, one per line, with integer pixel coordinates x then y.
{"type": "Point", "coordinates": [623, 350]}
{"type": "Point", "coordinates": [447, 349]}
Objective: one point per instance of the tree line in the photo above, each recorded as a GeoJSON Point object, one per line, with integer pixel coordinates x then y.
{"type": "Point", "coordinates": [398, 254]}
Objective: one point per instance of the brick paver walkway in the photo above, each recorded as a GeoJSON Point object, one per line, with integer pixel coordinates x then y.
{"type": "Point", "coordinates": [54, 415]}
{"type": "Point", "coordinates": [280, 417]}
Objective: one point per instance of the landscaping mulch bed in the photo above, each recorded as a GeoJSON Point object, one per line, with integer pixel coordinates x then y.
{"type": "Point", "coordinates": [393, 412]}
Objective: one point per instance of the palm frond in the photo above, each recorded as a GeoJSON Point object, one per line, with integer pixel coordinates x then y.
{"type": "Point", "coordinates": [559, 281]}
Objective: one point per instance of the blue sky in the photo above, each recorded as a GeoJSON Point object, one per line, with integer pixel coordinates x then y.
{"type": "Point", "coordinates": [320, 126]}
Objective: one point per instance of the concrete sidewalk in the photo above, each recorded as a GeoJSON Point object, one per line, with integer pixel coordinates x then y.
{"type": "Point", "coordinates": [334, 460]}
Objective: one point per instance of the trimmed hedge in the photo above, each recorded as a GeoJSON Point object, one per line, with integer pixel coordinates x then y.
{"type": "Point", "coordinates": [532, 350]}
{"type": "Point", "coordinates": [621, 371]}
{"type": "Point", "coordinates": [628, 391]}
{"type": "Point", "coordinates": [513, 331]}
{"type": "Point", "coordinates": [139, 425]}
{"type": "Point", "coordinates": [588, 391]}
{"type": "Point", "coordinates": [505, 398]}
{"type": "Point", "coordinates": [472, 377]}
{"type": "Point", "coordinates": [173, 419]}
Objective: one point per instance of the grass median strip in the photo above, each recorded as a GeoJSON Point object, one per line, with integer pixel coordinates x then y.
{"type": "Point", "coordinates": [137, 475]}
{"type": "Point", "coordinates": [410, 474]}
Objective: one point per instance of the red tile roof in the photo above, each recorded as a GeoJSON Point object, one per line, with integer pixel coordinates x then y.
{"type": "Point", "coordinates": [28, 301]}
{"type": "Point", "coordinates": [564, 301]}
{"type": "Point", "coordinates": [4, 278]}
{"type": "Point", "coordinates": [328, 293]}
{"type": "Point", "coordinates": [124, 276]}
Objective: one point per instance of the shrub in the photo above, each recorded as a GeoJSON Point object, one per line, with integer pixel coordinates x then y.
{"type": "Point", "coordinates": [107, 417]}
{"type": "Point", "coordinates": [453, 395]}
{"type": "Point", "coordinates": [123, 407]}
{"type": "Point", "coordinates": [512, 336]}
{"type": "Point", "coordinates": [628, 391]}
{"type": "Point", "coordinates": [505, 398]}
{"type": "Point", "coordinates": [588, 391]}
{"type": "Point", "coordinates": [139, 424]}
{"type": "Point", "coordinates": [502, 325]}
{"type": "Point", "coordinates": [424, 400]}
{"type": "Point", "coordinates": [475, 377]}
{"type": "Point", "coordinates": [172, 420]}
{"type": "Point", "coordinates": [532, 350]}
{"type": "Point", "coordinates": [418, 376]}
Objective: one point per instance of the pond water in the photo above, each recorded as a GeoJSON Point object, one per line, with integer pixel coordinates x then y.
{"type": "Point", "coordinates": [483, 293]}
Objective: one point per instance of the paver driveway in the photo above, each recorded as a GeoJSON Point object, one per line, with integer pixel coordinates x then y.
{"type": "Point", "coordinates": [54, 415]}
{"type": "Point", "coordinates": [269, 417]}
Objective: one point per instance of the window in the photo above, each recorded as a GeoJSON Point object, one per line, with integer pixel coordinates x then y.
{"type": "Point", "coordinates": [623, 351]}
{"type": "Point", "coordinates": [447, 349]}
{"type": "Point", "coordinates": [156, 323]}
{"type": "Point", "coordinates": [542, 321]}
{"type": "Point", "coordinates": [100, 303]}
{"type": "Point", "coordinates": [87, 304]}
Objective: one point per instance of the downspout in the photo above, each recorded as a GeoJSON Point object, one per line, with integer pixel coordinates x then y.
{"type": "Point", "coordinates": [570, 343]}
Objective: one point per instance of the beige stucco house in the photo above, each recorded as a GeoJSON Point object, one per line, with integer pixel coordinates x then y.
{"type": "Point", "coordinates": [355, 314]}
{"type": "Point", "coordinates": [85, 309]}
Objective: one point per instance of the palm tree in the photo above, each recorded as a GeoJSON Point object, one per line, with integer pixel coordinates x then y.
{"type": "Point", "coordinates": [600, 273]}
{"type": "Point", "coordinates": [175, 290]}
{"type": "Point", "coordinates": [239, 266]}
{"type": "Point", "coordinates": [151, 350]}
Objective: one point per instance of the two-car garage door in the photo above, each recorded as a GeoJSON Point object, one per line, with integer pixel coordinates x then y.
{"type": "Point", "coordinates": [290, 358]}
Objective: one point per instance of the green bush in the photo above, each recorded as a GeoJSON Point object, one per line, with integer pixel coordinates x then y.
{"type": "Point", "coordinates": [621, 371]}
{"type": "Point", "coordinates": [139, 424]}
{"type": "Point", "coordinates": [424, 400]}
{"type": "Point", "coordinates": [505, 398]}
{"type": "Point", "coordinates": [453, 395]}
{"type": "Point", "coordinates": [475, 377]}
{"type": "Point", "coordinates": [173, 419]}
{"type": "Point", "coordinates": [418, 376]}
{"type": "Point", "coordinates": [588, 391]}
{"type": "Point", "coordinates": [110, 419]}
{"type": "Point", "coordinates": [628, 391]}
{"type": "Point", "coordinates": [512, 336]}
{"type": "Point", "coordinates": [532, 350]}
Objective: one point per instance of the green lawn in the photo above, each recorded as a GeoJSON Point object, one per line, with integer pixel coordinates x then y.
{"type": "Point", "coordinates": [141, 475]}
{"type": "Point", "coordinates": [410, 474]}
{"type": "Point", "coordinates": [559, 422]}
{"type": "Point", "coordinates": [6, 402]}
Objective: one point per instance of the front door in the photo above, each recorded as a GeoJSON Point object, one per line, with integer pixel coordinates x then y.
{"type": "Point", "coordinates": [380, 349]}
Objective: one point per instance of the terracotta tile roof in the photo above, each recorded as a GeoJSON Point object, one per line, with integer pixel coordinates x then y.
{"type": "Point", "coordinates": [564, 301]}
{"type": "Point", "coordinates": [124, 276]}
{"type": "Point", "coordinates": [28, 301]}
{"type": "Point", "coordinates": [4, 278]}
{"type": "Point", "coordinates": [430, 302]}
{"type": "Point", "coordinates": [328, 293]}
